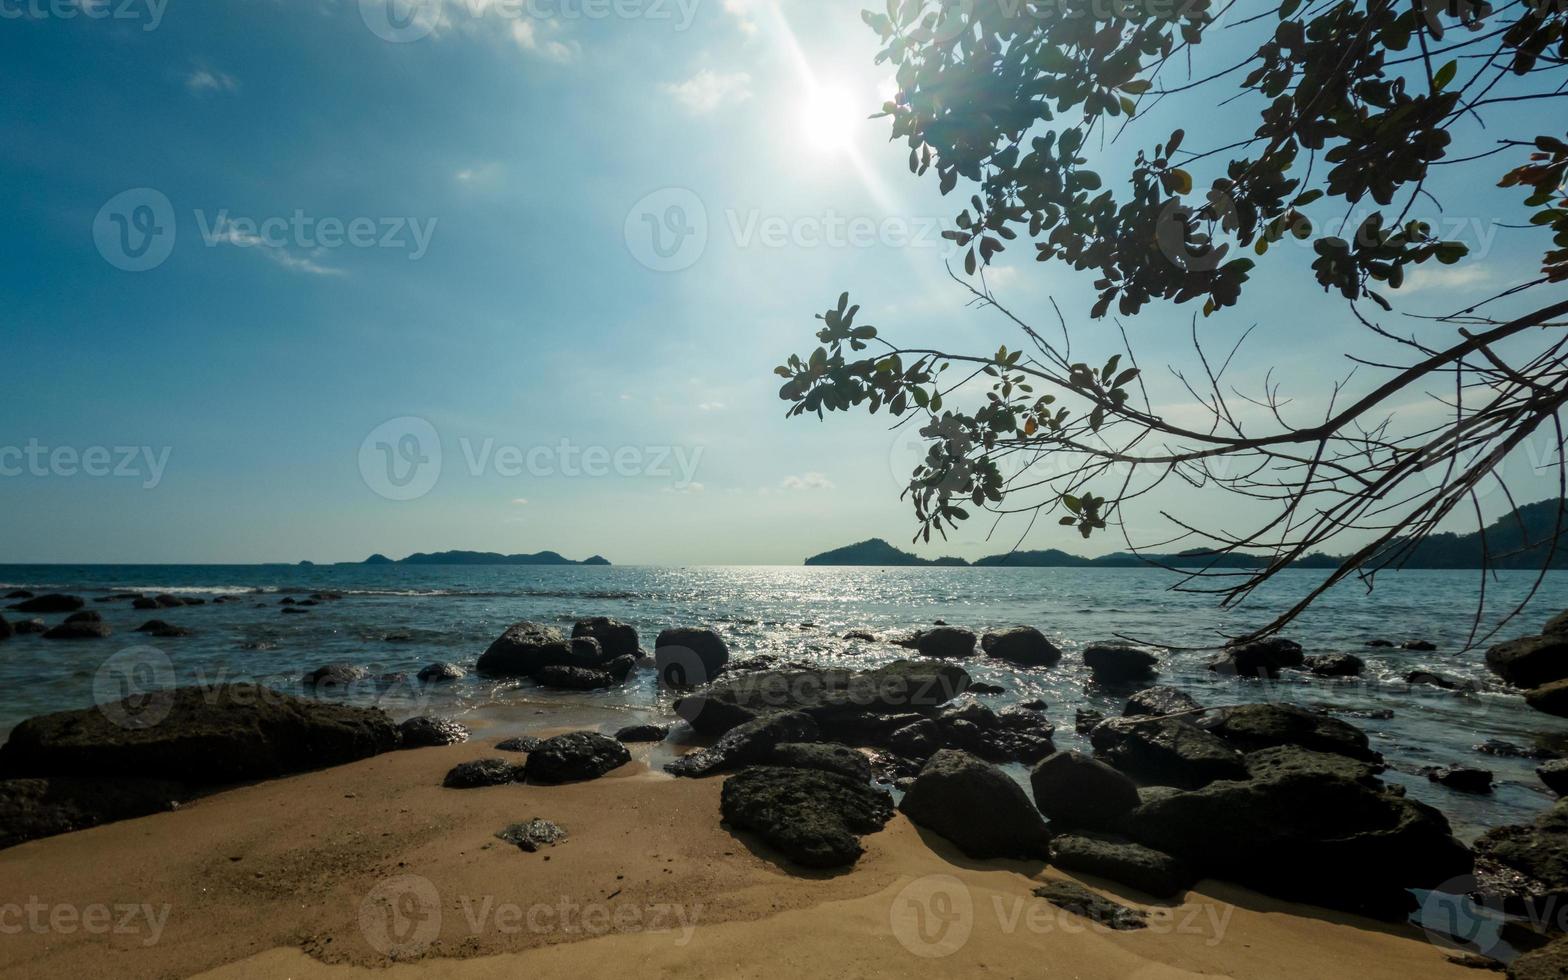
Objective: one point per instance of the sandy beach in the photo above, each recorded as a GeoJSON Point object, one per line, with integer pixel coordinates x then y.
{"type": "Point", "coordinates": [349, 871]}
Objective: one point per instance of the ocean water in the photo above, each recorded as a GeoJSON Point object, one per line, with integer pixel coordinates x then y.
{"type": "Point", "coordinates": [396, 619]}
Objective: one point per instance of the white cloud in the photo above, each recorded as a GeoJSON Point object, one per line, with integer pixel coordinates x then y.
{"type": "Point", "coordinates": [688, 488]}
{"type": "Point", "coordinates": [526, 36]}
{"type": "Point", "coordinates": [745, 13]}
{"type": "Point", "coordinates": [520, 501]}
{"type": "Point", "coordinates": [228, 232]}
{"type": "Point", "coordinates": [1447, 277]}
{"type": "Point", "coordinates": [708, 90]}
{"type": "Point", "coordinates": [807, 481]}
{"type": "Point", "coordinates": [711, 407]}
{"type": "Point", "coordinates": [205, 80]}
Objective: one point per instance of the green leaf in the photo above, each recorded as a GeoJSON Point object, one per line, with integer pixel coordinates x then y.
{"type": "Point", "coordinates": [1445, 75]}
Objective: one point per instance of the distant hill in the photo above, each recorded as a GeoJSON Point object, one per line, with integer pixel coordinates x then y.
{"type": "Point", "coordinates": [483, 558]}
{"type": "Point", "coordinates": [1504, 541]}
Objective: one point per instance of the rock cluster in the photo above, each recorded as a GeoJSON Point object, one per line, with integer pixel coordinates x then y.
{"type": "Point", "coordinates": [1539, 664]}
{"type": "Point", "coordinates": [552, 659]}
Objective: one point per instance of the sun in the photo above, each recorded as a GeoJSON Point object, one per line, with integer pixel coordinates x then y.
{"type": "Point", "coordinates": [828, 116]}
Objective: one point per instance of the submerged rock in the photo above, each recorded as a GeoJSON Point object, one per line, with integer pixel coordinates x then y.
{"type": "Point", "coordinates": [976, 806]}
{"type": "Point", "coordinates": [689, 657]}
{"type": "Point", "coordinates": [573, 678]}
{"type": "Point", "coordinates": [440, 671]}
{"type": "Point", "coordinates": [814, 818]}
{"type": "Point", "coordinates": [481, 773]}
{"type": "Point", "coordinates": [52, 603]}
{"type": "Point", "coordinates": [1159, 700]}
{"type": "Point", "coordinates": [24, 627]}
{"type": "Point", "coordinates": [1259, 726]}
{"type": "Point", "coordinates": [1084, 720]}
{"type": "Point", "coordinates": [946, 642]}
{"type": "Point", "coordinates": [1335, 665]}
{"type": "Point", "coordinates": [575, 757]}
{"type": "Point", "coordinates": [533, 834]}
{"type": "Point", "coordinates": [1555, 775]}
{"type": "Point", "coordinates": [1151, 872]}
{"type": "Point", "coordinates": [1465, 779]}
{"type": "Point", "coordinates": [427, 731]}
{"type": "Point", "coordinates": [162, 630]}
{"type": "Point", "coordinates": [1074, 790]}
{"type": "Point", "coordinates": [746, 744]}
{"type": "Point", "coordinates": [825, 756]}
{"type": "Point", "coordinates": [324, 679]}
{"type": "Point", "coordinates": [34, 808]}
{"type": "Point", "coordinates": [1118, 663]}
{"type": "Point", "coordinates": [1075, 898]}
{"type": "Point", "coordinates": [1259, 658]}
{"type": "Point", "coordinates": [615, 637]}
{"type": "Point", "coordinates": [643, 733]}
{"type": "Point", "coordinates": [81, 629]}
{"type": "Point", "coordinates": [1170, 751]}
{"type": "Point", "coordinates": [1022, 645]}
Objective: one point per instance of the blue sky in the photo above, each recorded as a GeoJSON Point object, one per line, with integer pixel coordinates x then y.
{"type": "Point", "coordinates": [454, 231]}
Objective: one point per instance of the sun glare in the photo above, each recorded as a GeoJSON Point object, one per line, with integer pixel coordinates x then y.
{"type": "Point", "coordinates": [827, 119]}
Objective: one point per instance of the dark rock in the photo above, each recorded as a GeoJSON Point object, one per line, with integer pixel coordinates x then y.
{"type": "Point", "coordinates": [482, 772]}
{"type": "Point", "coordinates": [324, 679]}
{"type": "Point", "coordinates": [6, 630]}
{"type": "Point", "coordinates": [1538, 851]}
{"type": "Point", "coordinates": [1550, 962]}
{"type": "Point", "coordinates": [987, 689]}
{"type": "Point", "coordinates": [615, 637]}
{"type": "Point", "coordinates": [427, 731]}
{"type": "Point", "coordinates": [1075, 898]}
{"type": "Point", "coordinates": [1117, 663]}
{"type": "Point", "coordinates": [532, 835]}
{"type": "Point", "coordinates": [162, 630]}
{"type": "Point", "coordinates": [52, 603]}
{"type": "Point", "coordinates": [1419, 646]}
{"type": "Point", "coordinates": [1172, 751]}
{"type": "Point", "coordinates": [521, 743]}
{"type": "Point", "coordinates": [826, 756]}
{"type": "Point", "coordinates": [1555, 775]}
{"type": "Point", "coordinates": [619, 667]}
{"type": "Point", "coordinates": [1258, 726]}
{"type": "Point", "coordinates": [688, 657]}
{"type": "Point", "coordinates": [145, 602]}
{"type": "Point", "coordinates": [1557, 624]}
{"type": "Point", "coordinates": [1509, 750]}
{"type": "Point", "coordinates": [1295, 762]}
{"type": "Point", "coordinates": [1159, 700]}
{"type": "Point", "coordinates": [1530, 661]}
{"type": "Point", "coordinates": [920, 740]}
{"type": "Point", "coordinates": [1260, 658]}
{"type": "Point", "coordinates": [523, 650]}
{"type": "Point", "coordinates": [586, 652]}
{"type": "Point", "coordinates": [573, 678]}
{"type": "Point", "coordinates": [167, 601]}
{"type": "Point", "coordinates": [294, 611]}
{"type": "Point", "coordinates": [862, 635]}
{"type": "Point", "coordinates": [1034, 704]}
{"type": "Point", "coordinates": [812, 817]}
{"type": "Point", "coordinates": [82, 630]}
{"type": "Point", "coordinates": [1151, 872]}
{"type": "Point", "coordinates": [197, 735]}
{"type": "Point", "coordinates": [1380, 644]}
{"type": "Point", "coordinates": [19, 594]}
{"type": "Point", "coordinates": [1022, 719]}
{"type": "Point", "coordinates": [1085, 719]}
{"type": "Point", "coordinates": [440, 672]}
{"type": "Point", "coordinates": [574, 757]}
{"type": "Point", "coordinates": [1430, 679]}
{"type": "Point", "coordinates": [24, 627]}
{"type": "Point", "coordinates": [1551, 698]}
{"type": "Point", "coordinates": [1336, 665]}
{"type": "Point", "coordinates": [1074, 790]}
{"type": "Point", "coordinates": [946, 642]}
{"type": "Point", "coordinates": [643, 733]}
{"type": "Point", "coordinates": [1465, 779]}
{"type": "Point", "coordinates": [34, 808]}
{"type": "Point", "coordinates": [89, 616]}
{"type": "Point", "coordinates": [977, 807]}
{"type": "Point", "coordinates": [746, 745]}
{"type": "Point", "coordinates": [1023, 645]}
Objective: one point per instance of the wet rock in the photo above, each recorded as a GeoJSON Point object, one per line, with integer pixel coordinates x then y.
{"type": "Point", "coordinates": [144, 602]}
{"type": "Point", "coordinates": [1335, 665]}
{"type": "Point", "coordinates": [615, 637]}
{"type": "Point", "coordinates": [25, 627]}
{"type": "Point", "coordinates": [167, 601]}
{"type": "Point", "coordinates": [864, 636]}
{"type": "Point", "coordinates": [814, 818]}
{"type": "Point", "coordinates": [575, 757]}
{"type": "Point", "coordinates": [533, 834]}
{"type": "Point", "coordinates": [524, 649]}
{"type": "Point", "coordinates": [1295, 762]}
{"type": "Point", "coordinates": [1023, 736]}
{"type": "Point", "coordinates": [441, 671]}
{"type": "Point", "coordinates": [976, 806]}
{"type": "Point", "coordinates": [1558, 624]}
{"type": "Point", "coordinates": [1538, 851]}
{"type": "Point", "coordinates": [573, 678]}
{"type": "Point", "coordinates": [428, 731]}
{"type": "Point", "coordinates": [918, 741]}
{"type": "Point", "coordinates": [197, 735]}
{"type": "Point", "coordinates": [1074, 790]}
{"type": "Point", "coordinates": [52, 603]}
{"type": "Point", "coordinates": [826, 756]}
{"type": "Point", "coordinates": [1380, 644]}
{"type": "Point", "coordinates": [1034, 704]}
{"type": "Point", "coordinates": [6, 630]}
{"type": "Point", "coordinates": [324, 679]}
{"type": "Point", "coordinates": [1259, 658]}
{"type": "Point", "coordinates": [1085, 719]}
{"type": "Point", "coordinates": [85, 629]}
{"type": "Point", "coordinates": [1116, 663]}
{"type": "Point", "coordinates": [1419, 646]}
{"type": "Point", "coordinates": [19, 594]}
{"type": "Point", "coordinates": [1555, 775]}
{"type": "Point", "coordinates": [619, 667]}
{"type": "Point", "coordinates": [688, 657]}
{"type": "Point", "coordinates": [1159, 700]}
{"type": "Point", "coordinates": [1171, 751]}
{"type": "Point", "coordinates": [643, 733]}
{"type": "Point", "coordinates": [746, 745]}
{"type": "Point", "coordinates": [948, 642]}
{"type": "Point", "coordinates": [521, 743]}
{"type": "Point", "coordinates": [1022, 645]}
{"type": "Point", "coordinates": [1430, 679]}
{"type": "Point", "coordinates": [34, 808]}
{"type": "Point", "coordinates": [1151, 872]}
{"type": "Point", "coordinates": [1075, 898]}
{"type": "Point", "coordinates": [162, 630]}
{"type": "Point", "coordinates": [1551, 698]}
{"type": "Point", "coordinates": [1509, 750]}
{"type": "Point", "coordinates": [294, 611]}
{"type": "Point", "coordinates": [1530, 661]}
{"type": "Point", "coordinates": [1550, 962]}
{"type": "Point", "coordinates": [481, 773]}
{"type": "Point", "coordinates": [987, 689]}
{"type": "Point", "coordinates": [1465, 779]}
{"type": "Point", "coordinates": [1259, 726]}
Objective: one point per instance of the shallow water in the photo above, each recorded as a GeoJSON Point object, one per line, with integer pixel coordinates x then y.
{"type": "Point", "coordinates": [396, 619]}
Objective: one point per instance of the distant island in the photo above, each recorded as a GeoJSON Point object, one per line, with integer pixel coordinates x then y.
{"type": "Point", "coordinates": [483, 558]}
{"type": "Point", "coordinates": [1505, 544]}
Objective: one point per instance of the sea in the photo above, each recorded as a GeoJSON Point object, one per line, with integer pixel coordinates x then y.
{"type": "Point", "coordinates": [395, 619]}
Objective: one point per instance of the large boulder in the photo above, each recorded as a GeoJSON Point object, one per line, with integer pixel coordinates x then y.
{"type": "Point", "coordinates": [1538, 851]}
{"type": "Point", "coordinates": [814, 818]}
{"type": "Point", "coordinates": [1555, 775]}
{"type": "Point", "coordinates": [1550, 962]}
{"type": "Point", "coordinates": [1335, 665]}
{"type": "Point", "coordinates": [1022, 645]}
{"type": "Point", "coordinates": [947, 642]}
{"type": "Point", "coordinates": [976, 806]}
{"type": "Point", "coordinates": [827, 756]}
{"type": "Point", "coordinates": [1302, 831]}
{"type": "Point", "coordinates": [1168, 751]}
{"type": "Point", "coordinates": [53, 603]}
{"type": "Point", "coordinates": [201, 736]}
{"type": "Point", "coordinates": [746, 744]}
{"type": "Point", "coordinates": [481, 773]}
{"type": "Point", "coordinates": [1151, 872]}
{"type": "Point", "coordinates": [87, 628]}
{"type": "Point", "coordinates": [1530, 661]}
{"type": "Point", "coordinates": [33, 808]}
{"type": "Point", "coordinates": [1259, 658]}
{"type": "Point", "coordinates": [525, 649]}
{"type": "Point", "coordinates": [1558, 624]}
{"type": "Point", "coordinates": [689, 657]}
{"type": "Point", "coordinates": [566, 678]}
{"type": "Point", "coordinates": [1159, 700]}
{"type": "Point", "coordinates": [617, 638]}
{"type": "Point", "coordinates": [575, 757]}
{"type": "Point", "coordinates": [1259, 726]}
{"type": "Point", "coordinates": [1551, 698]}
{"type": "Point", "coordinates": [1118, 663]}
{"type": "Point", "coordinates": [1074, 790]}
{"type": "Point", "coordinates": [1019, 736]}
